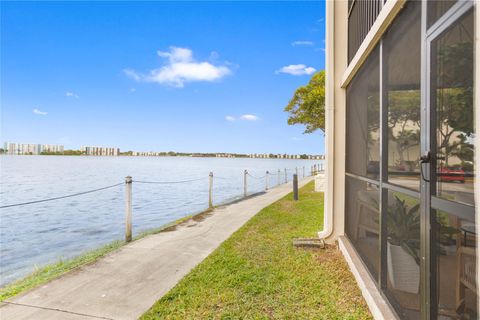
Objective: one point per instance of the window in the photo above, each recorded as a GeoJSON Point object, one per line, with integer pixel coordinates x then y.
{"type": "Point", "coordinates": [363, 121]}
{"type": "Point", "coordinates": [362, 218]}
{"type": "Point", "coordinates": [401, 59]}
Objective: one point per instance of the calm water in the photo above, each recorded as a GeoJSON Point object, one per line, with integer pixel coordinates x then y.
{"type": "Point", "coordinates": [37, 234]}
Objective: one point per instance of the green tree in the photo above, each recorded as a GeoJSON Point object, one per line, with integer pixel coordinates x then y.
{"type": "Point", "coordinates": [307, 106]}
{"type": "Point", "coordinates": [454, 95]}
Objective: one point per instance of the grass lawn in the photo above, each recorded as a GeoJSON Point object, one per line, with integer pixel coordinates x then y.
{"type": "Point", "coordinates": [258, 274]}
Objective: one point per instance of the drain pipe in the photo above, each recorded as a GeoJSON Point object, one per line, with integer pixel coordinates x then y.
{"type": "Point", "coordinates": [329, 121]}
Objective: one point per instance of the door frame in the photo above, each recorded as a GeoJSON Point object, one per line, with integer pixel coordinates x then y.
{"type": "Point", "coordinates": [429, 203]}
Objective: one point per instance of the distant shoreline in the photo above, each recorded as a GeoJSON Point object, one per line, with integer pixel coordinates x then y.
{"type": "Point", "coordinates": [159, 156]}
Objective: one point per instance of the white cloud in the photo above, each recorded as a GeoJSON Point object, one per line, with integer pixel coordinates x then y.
{"type": "Point", "coordinates": [296, 70]}
{"type": "Point", "coordinates": [71, 94]}
{"type": "Point", "coordinates": [230, 118]}
{"type": "Point", "coordinates": [302, 43]}
{"type": "Point", "coordinates": [249, 117]}
{"type": "Point", "coordinates": [181, 68]}
{"type": "Point", "coordinates": [40, 113]}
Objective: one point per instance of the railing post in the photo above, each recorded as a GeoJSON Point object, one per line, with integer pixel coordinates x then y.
{"type": "Point", "coordinates": [245, 183]}
{"type": "Point", "coordinates": [295, 187]}
{"type": "Point", "coordinates": [321, 167]}
{"type": "Point", "coordinates": [286, 179]}
{"type": "Point", "coordinates": [128, 209]}
{"type": "Point", "coordinates": [314, 169]}
{"type": "Point", "coordinates": [278, 178]}
{"type": "Point", "coordinates": [303, 171]}
{"type": "Point", "coordinates": [266, 180]}
{"type": "Point", "coordinates": [296, 171]}
{"type": "Point", "coordinates": [210, 190]}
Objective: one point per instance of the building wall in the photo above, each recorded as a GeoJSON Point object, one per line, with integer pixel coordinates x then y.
{"type": "Point", "coordinates": [338, 54]}
{"type": "Point", "coordinates": [338, 78]}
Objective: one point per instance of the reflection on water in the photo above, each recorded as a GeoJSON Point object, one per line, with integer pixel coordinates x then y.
{"type": "Point", "coordinates": [45, 232]}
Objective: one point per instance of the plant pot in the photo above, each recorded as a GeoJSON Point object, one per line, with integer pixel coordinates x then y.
{"type": "Point", "coordinates": [448, 249]}
{"type": "Point", "coordinates": [403, 271]}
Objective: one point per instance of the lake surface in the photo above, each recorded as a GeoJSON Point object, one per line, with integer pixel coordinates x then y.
{"type": "Point", "coordinates": [38, 234]}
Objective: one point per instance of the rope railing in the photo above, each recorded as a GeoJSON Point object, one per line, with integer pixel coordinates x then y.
{"type": "Point", "coordinates": [129, 181]}
{"type": "Point", "coordinates": [222, 178]}
{"type": "Point", "coordinates": [254, 177]}
{"type": "Point", "coordinates": [169, 182]}
{"type": "Point", "coordinates": [61, 197]}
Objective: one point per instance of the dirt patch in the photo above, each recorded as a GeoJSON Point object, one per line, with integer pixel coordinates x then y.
{"type": "Point", "coordinates": [189, 222]}
{"type": "Point", "coordinates": [330, 254]}
{"type": "Point", "coordinates": [169, 229]}
{"type": "Point", "coordinates": [288, 207]}
{"type": "Point", "coordinates": [202, 215]}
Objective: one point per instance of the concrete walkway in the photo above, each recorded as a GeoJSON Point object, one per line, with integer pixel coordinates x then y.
{"type": "Point", "coordinates": [127, 282]}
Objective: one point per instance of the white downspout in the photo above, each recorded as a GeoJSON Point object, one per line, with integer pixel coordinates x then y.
{"type": "Point", "coordinates": [329, 119]}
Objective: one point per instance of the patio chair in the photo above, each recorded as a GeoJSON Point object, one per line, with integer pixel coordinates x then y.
{"type": "Point", "coordinates": [366, 218]}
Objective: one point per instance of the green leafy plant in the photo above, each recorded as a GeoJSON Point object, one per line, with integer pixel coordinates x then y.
{"type": "Point", "coordinates": [403, 225]}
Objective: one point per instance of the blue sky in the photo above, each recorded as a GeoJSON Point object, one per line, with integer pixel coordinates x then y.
{"type": "Point", "coordinates": [181, 76]}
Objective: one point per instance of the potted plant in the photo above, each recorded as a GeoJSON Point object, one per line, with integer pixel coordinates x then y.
{"type": "Point", "coordinates": [403, 246]}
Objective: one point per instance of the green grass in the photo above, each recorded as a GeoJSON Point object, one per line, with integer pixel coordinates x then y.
{"type": "Point", "coordinates": [49, 272]}
{"type": "Point", "coordinates": [258, 274]}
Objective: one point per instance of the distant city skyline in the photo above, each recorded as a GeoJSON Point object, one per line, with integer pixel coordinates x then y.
{"type": "Point", "coordinates": [16, 148]}
{"type": "Point", "coordinates": [176, 76]}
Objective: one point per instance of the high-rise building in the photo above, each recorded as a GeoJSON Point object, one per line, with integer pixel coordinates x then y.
{"type": "Point", "coordinates": [30, 148]}
{"type": "Point", "coordinates": [100, 151]}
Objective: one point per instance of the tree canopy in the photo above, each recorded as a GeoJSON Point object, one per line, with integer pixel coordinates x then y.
{"type": "Point", "coordinates": [307, 106]}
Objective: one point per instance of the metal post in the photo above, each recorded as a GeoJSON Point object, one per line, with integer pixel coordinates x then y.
{"type": "Point", "coordinates": [314, 169]}
{"type": "Point", "coordinates": [303, 171]}
{"type": "Point", "coordinates": [245, 183]}
{"type": "Point", "coordinates": [295, 187]}
{"type": "Point", "coordinates": [321, 167]}
{"type": "Point", "coordinates": [210, 190]}
{"type": "Point", "coordinates": [296, 171]}
{"type": "Point", "coordinates": [278, 178]}
{"type": "Point", "coordinates": [286, 179]}
{"type": "Point", "coordinates": [266, 180]}
{"type": "Point", "coordinates": [128, 209]}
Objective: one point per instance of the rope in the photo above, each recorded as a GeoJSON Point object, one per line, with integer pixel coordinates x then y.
{"type": "Point", "coordinates": [221, 178]}
{"type": "Point", "coordinates": [168, 182]}
{"type": "Point", "coordinates": [262, 177]}
{"type": "Point", "coordinates": [62, 197]}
